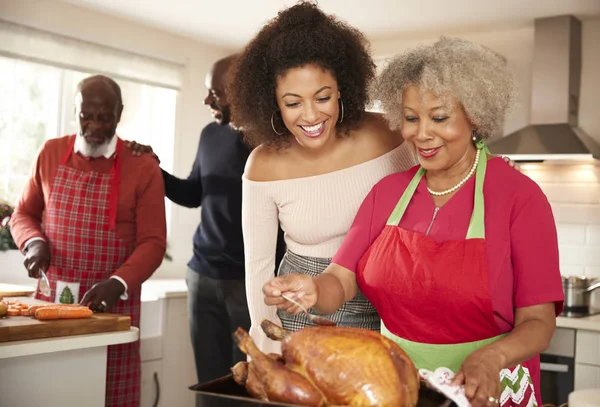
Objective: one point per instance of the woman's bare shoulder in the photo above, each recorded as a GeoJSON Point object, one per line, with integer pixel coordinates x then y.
{"type": "Point", "coordinates": [375, 135]}
{"type": "Point", "coordinates": [265, 163]}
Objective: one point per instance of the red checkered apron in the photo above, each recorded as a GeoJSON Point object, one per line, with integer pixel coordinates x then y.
{"type": "Point", "coordinates": [79, 223]}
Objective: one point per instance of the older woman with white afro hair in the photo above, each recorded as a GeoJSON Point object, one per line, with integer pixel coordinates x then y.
{"type": "Point", "coordinates": [459, 254]}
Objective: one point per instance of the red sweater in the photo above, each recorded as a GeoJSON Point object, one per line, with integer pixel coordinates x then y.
{"type": "Point", "coordinates": [140, 212]}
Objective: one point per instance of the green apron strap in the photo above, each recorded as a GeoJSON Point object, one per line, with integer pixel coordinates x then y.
{"type": "Point", "coordinates": [477, 224]}
{"type": "Point", "coordinates": [402, 204]}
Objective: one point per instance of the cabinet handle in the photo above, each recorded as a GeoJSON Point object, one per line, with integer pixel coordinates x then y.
{"type": "Point", "coordinates": [554, 367]}
{"type": "Point", "coordinates": [157, 385]}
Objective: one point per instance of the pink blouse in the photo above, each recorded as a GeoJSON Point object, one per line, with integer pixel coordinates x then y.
{"type": "Point", "coordinates": [520, 232]}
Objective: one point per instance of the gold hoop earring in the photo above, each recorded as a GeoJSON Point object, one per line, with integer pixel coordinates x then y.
{"type": "Point", "coordinates": [342, 111]}
{"type": "Point", "coordinates": [273, 124]}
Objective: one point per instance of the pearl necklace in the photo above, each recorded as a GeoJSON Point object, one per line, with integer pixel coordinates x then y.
{"type": "Point", "coordinates": [460, 184]}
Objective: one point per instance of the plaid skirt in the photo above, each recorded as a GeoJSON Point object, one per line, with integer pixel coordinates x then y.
{"type": "Point", "coordinates": [357, 313]}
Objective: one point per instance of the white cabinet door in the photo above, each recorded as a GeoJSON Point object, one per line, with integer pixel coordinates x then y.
{"type": "Point", "coordinates": [178, 369]}
{"type": "Point", "coordinates": [587, 376]}
{"type": "Point", "coordinates": [588, 348]}
{"type": "Point", "coordinates": [151, 383]}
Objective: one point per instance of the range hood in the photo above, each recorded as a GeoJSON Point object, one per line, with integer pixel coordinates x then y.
{"type": "Point", "coordinates": [556, 79]}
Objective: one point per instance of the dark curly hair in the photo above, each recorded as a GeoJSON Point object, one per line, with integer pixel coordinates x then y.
{"type": "Point", "coordinates": [298, 36]}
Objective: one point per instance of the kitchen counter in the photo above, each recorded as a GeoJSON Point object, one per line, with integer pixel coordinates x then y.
{"type": "Point", "coordinates": [591, 323]}
{"type": "Point", "coordinates": [153, 290]}
{"type": "Point", "coordinates": [66, 371]}
{"type": "Point", "coordinates": [56, 365]}
{"type": "Point", "coordinates": [66, 343]}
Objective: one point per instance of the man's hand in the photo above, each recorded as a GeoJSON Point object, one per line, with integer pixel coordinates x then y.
{"type": "Point", "coordinates": [38, 256]}
{"type": "Point", "coordinates": [104, 295]}
{"type": "Point", "coordinates": [138, 149]}
{"type": "Point", "coordinates": [510, 162]}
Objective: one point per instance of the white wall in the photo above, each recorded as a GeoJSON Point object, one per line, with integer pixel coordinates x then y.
{"type": "Point", "coordinates": [66, 19]}
{"type": "Point", "coordinates": [574, 192]}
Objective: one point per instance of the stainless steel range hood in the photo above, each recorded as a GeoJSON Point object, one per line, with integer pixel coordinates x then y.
{"type": "Point", "coordinates": [556, 78]}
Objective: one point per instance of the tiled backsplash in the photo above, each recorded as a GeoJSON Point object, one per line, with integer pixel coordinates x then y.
{"type": "Point", "coordinates": [574, 192]}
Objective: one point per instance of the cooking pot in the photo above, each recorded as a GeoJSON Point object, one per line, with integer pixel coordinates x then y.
{"type": "Point", "coordinates": [577, 293]}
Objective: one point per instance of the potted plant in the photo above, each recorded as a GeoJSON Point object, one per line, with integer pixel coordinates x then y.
{"type": "Point", "coordinates": [12, 270]}
{"type": "Point", "coordinates": [6, 239]}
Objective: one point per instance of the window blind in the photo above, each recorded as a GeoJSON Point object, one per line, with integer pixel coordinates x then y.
{"type": "Point", "coordinates": [28, 43]}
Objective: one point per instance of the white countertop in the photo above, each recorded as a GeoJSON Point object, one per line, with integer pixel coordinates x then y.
{"type": "Point", "coordinates": [64, 343]}
{"type": "Point", "coordinates": [155, 289]}
{"type": "Point", "coordinates": [591, 323]}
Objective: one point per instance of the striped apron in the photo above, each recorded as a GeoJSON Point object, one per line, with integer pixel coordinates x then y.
{"type": "Point", "coordinates": [79, 222]}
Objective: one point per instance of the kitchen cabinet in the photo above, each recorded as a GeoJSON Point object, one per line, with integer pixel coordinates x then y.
{"type": "Point", "coordinates": [178, 367]}
{"type": "Point", "coordinates": [168, 367]}
{"type": "Point", "coordinates": [151, 380]}
{"type": "Point", "coordinates": [57, 372]}
{"type": "Point", "coordinates": [586, 376]}
{"type": "Point", "coordinates": [587, 360]}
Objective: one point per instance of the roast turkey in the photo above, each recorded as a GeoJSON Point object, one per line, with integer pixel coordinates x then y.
{"type": "Point", "coordinates": [327, 366]}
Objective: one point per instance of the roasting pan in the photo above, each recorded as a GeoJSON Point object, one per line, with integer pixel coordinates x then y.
{"type": "Point", "coordinates": [225, 392]}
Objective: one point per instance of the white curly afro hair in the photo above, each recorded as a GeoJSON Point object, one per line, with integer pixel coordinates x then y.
{"type": "Point", "coordinates": [457, 71]}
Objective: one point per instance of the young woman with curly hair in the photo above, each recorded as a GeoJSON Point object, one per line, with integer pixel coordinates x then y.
{"type": "Point", "coordinates": [299, 91]}
{"type": "Point", "coordinates": [459, 255]}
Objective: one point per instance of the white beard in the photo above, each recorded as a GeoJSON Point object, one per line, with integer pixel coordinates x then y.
{"type": "Point", "coordinates": [94, 150]}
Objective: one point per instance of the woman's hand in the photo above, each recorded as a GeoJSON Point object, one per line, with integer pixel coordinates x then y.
{"type": "Point", "coordinates": [299, 287]}
{"type": "Point", "coordinates": [480, 374]}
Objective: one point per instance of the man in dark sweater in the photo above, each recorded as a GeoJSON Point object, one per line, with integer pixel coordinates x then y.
{"type": "Point", "coordinates": [217, 303]}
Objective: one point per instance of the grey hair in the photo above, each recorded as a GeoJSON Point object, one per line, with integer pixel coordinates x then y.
{"type": "Point", "coordinates": [457, 71]}
{"type": "Point", "coordinates": [110, 82]}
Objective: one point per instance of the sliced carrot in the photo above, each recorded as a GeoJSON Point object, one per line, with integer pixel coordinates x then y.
{"type": "Point", "coordinates": [24, 312]}
{"type": "Point", "coordinates": [13, 312]}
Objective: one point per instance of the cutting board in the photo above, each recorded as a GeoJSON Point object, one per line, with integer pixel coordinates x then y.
{"type": "Point", "coordinates": [20, 328]}
{"type": "Point", "coordinates": [11, 290]}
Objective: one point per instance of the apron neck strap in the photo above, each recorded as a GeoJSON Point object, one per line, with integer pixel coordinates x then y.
{"type": "Point", "coordinates": [396, 216]}
{"type": "Point", "coordinates": [65, 158]}
{"type": "Point", "coordinates": [115, 180]}
{"type": "Point", "coordinates": [476, 225]}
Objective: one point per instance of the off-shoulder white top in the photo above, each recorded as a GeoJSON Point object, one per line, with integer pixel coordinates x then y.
{"type": "Point", "coordinates": [315, 213]}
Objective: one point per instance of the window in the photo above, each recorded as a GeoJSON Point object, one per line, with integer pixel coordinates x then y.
{"type": "Point", "coordinates": [28, 117]}
{"type": "Point", "coordinates": [37, 104]}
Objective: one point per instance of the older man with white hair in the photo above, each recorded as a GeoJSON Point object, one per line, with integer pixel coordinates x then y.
{"type": "Point", "coordinates": [93, 218]}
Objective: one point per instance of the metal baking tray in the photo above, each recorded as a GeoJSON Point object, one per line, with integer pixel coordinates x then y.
{"type": "Point", "coordinates": [225, 392]}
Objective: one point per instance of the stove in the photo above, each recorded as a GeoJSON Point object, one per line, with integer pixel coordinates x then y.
{"type": "Point", "coordinates": [579, 314]}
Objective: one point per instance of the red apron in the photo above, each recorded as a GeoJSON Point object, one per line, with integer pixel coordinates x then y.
{"type": "Point", "coordinates": [434, 297]}
{"type": "Point", "coordinates": [79, 222]}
